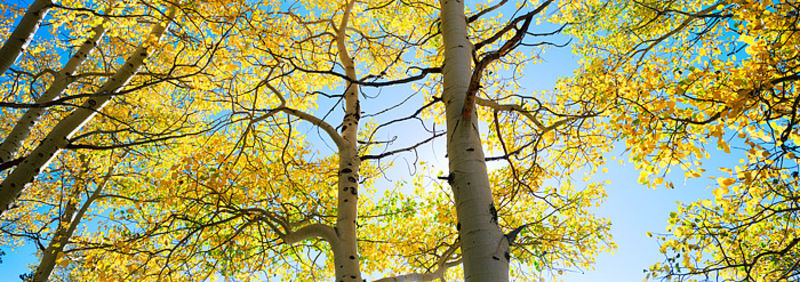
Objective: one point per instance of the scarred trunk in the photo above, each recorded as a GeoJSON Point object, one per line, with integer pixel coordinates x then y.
{"type": "Point", "coordinates": [345, 256]}
{"type": "Point", "coordinates": [13, 184]}
{"type": "Point", "coordinates": [61, 80]}
{"type": "Point", "coordinates": [23, 33]}
{"type": "Point", "coordinates": [483, 245]}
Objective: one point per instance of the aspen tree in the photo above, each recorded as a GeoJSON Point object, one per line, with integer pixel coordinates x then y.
{"type": "Point", "coordinates": [13, 184]}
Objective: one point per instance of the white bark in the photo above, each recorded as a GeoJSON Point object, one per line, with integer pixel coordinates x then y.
{"type": "Point", "coordinates": [342, 238]}
{"type": "Point", "coordinates": [23, 174]}
{"type": "Point", "coordinates": [61, 80]}
{"type": "Point", "coordinates": [316, 230]}
{"type": "Point", "coordinates": [483, 245]}
{"type": "Point", "coordinates": [23, 33]}
{"type": "Point", "coordinates": [345, 256]}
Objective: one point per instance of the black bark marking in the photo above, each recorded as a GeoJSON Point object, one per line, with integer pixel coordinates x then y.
{"type": "Point", "coordinates": [507, 255]}
{"type": "Point", "coordinates": [346, 170]}
{"type": "Point", "coordinates": [351, 179]}
{"type": "Point", "coordinates": [458, 226]}
{"type": "Point", "coordinates": [451, 178]}
{"type": "Point", "coordinates": [495, 258]}
{"type": "Point", "coordinates": [352, 257]}
{"type": "Point", "coordinates": [470, 149]}
{"type": "Point", "coordinates": [493, 212]}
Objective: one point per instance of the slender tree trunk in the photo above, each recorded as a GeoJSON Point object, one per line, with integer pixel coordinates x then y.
{"type": "Point", "coordinates": [483, 245]}
{"type": "Point", "coordinates": [56, 246]}
{"type": "Point", "coordinates": [23, 174]}
{"type": "Point", "coordinates": [23, 33]}
{"type": "Point", "coordinates": [62, 79]}
{"type": "Point", "coordinates": [346, 258]}
{"type": "Point", "coordinates": [68, 223]}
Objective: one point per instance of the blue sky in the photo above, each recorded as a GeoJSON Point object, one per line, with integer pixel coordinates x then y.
{"type": "Point", "coordinates": [632, 208]}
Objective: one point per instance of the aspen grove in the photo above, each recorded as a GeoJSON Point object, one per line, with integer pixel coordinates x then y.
{"type": "Point", "coordinates": [196, 140]}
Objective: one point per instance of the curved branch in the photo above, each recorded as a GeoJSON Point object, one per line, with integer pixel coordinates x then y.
{"type": "Point", "coordinates": [340, 143]}
{"type": "Point", "coordinates": [317, 230]}
{"type": "Point", "coordinates": [517, 108]}
{"type": "Point", "coordinates": [509, 108]}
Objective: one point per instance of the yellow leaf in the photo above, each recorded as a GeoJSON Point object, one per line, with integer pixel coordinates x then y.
{"type": "Point", "coordinates": [720, 191]}
{"type": "Point", "coordinates": [747, 39]}
{"type": "Point", "coordinates": [724, 182]}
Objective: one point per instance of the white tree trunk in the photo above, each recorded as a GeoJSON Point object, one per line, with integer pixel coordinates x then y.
{"type": "Point", "coordinates": [483, 245]}
{"type": "Point", "coordinates": [23, 33]}
{"type": "Point", "coordinates": [346, 255]}
{"type": "Point", "coordinates": [61, 80]}
{"type": "Point", "coordinates": [23, 174]}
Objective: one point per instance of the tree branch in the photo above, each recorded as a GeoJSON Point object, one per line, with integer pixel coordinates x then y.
{"type": "Point", "coordinates": [442, 266]}
{"type": "Point", "coordinates": [409, 148]}
{"type": "Point", "coordinates": [317, 230]}
{"type": "Point", "coordinates": [340, 143]}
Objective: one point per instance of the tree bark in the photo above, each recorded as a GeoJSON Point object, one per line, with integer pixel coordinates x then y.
{"type": "Point", "coordinates": [13, 185]}
{"type": "Point", "coordinates": [23, 33]}
{"type": "Point", "coordinates": [61, 80]}
{"type": "Point", "coordinates": [483, 245]}
{"type": "Point", "coordinates": [345, 256]}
